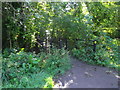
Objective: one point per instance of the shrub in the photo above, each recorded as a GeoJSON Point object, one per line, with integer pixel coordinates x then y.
{"type": "Point", "coordinates": [39, 80]}
{"type": "Point", "coordinates": [57, 62]}
{"type": "Point", "coordinates": [29, 70]}
{"type": "Point", "coordinates": [19, 64]}
{"type": "Point", "coordinates": [106, 53]}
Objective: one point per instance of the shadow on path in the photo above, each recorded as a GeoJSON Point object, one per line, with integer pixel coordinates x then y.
{"type": "Point", "coordinates": [83, 75]}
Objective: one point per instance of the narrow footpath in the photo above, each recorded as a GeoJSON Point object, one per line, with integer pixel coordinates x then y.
{"type": "Point", "coordinates": [83, 75]}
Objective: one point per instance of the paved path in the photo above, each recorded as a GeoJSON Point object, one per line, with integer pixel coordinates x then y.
{"type": "Point", "coordinates": [83, 75]}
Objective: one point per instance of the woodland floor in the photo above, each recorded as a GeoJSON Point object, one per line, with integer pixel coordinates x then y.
{"type": "Point", "coordinates": [83, 75]}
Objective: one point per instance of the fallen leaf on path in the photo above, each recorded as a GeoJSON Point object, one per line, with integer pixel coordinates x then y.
{"type": "Point", "coordinates": [88, 74]}
{"type": "Point", "coordinates": [108, 72]}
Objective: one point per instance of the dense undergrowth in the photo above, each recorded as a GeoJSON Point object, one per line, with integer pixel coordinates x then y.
{"type": "Point", "coordinates": [105, 54]}
{"type": "Point", "coordinates": [29, 70]}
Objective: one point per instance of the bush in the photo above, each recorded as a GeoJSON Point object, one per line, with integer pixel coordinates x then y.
{"type": "Point", "coordinates": [19, 64]}
{"type": "Point", "coordinates": [39, 80]}
{"type": "Point", "coordinates": [82, 54]}
{"type": "Point", "coordinates": [57, 62]}
{"type": "Point", "coordinates": [28, 70]}
{"type": "Point", "coordinates": [106, 53]}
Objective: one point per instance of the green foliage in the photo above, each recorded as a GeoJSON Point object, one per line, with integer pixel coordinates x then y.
{"type": "Point", "coordinates": [19, 64]}
{"type": "Point", "coordinates": [39, 80]}
{"type": "Point", "coordinates": [106, 53]}
{"type": "Point", "coordinates": [76, 24]}
{"type": "Point", "coordinates": [62, 23]}
{"type": "Point", "coordinates": [29, 70]}
{"type": "Point", "coordinates": [105, 15]}
{"type": "Point", "coordinates": [103, 31]}
{"type": "Point", "coordinates": [86, 54]}
{"type": "Point", "coordinates": [57, 61]}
